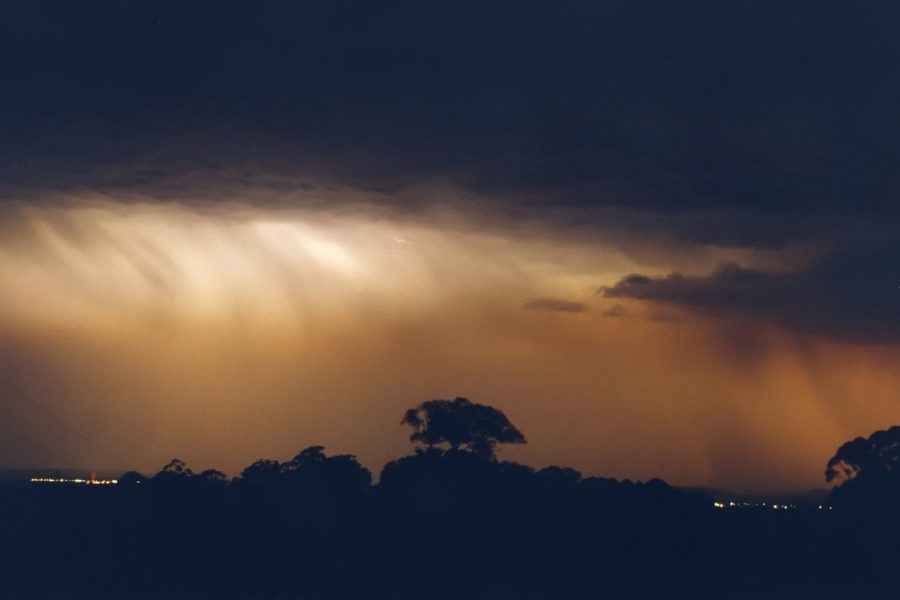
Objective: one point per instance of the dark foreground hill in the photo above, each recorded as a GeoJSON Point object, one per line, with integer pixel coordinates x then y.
{"type": "Point", "coordinates": [440, 524]}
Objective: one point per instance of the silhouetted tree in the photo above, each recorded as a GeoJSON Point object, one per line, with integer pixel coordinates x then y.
{"type": "Point", "coordinates": [177, 466]}
{"type": "Point", "coordinates": [461, 424]}
{"type": "Point", "coordinates": [175, 473]}
{"type": "Point", "coordinates": [868, 504]}
{"type": "Point", "coordinates": [310, 472]}
{"type": "Point", "coordinates": [875, 456]}
{"type": "Point", "coordinates": [312, 455]}
{"type": "Point", "coordinates": [262, 472]}
{"type": "Point", "coordinates": [870, 472]}
{"type": "Point", "coordinates": [314, 470]}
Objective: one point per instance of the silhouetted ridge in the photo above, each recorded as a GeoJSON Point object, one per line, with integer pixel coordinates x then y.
{"type": "Point", "coordinates": [448, 521]}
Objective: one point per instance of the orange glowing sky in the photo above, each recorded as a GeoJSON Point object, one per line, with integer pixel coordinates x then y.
{"type": "Point", "coordinates": [250, 328]}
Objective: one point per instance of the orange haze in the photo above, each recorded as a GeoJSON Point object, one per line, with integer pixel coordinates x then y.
{"type": "Point", "coordinates": [135, 330]}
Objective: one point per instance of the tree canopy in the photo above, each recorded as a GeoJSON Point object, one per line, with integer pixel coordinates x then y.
{"type": "Point", "coordinates": [462, 425]}
{"type": "Point", "coordinates": [875, 456]}
{"type": "Point", "coordinates": [311, 469]}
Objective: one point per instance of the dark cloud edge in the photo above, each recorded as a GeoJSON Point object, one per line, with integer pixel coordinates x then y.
{"type": "Point", "coordinates": [850, 296]}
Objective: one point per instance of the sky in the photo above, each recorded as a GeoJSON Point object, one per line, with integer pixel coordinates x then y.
{"type": "Point", "coordinates": [663, 238]}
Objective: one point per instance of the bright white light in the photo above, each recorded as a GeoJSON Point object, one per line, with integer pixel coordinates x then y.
{"type": "Point", "coordinates": [105, 262]}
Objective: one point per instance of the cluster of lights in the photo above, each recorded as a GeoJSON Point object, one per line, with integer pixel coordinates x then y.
{"type": "Point", "coordinates": [779, 506]}
{"type": "Point", "coordinates": [91, 481]}
{"type": "Point", "coordinates": [733, 504]}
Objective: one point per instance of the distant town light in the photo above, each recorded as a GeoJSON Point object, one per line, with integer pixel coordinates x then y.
{"type": "Point", "coordinates": [77, 480]}
{"type": "Point", "coordinates": [779, 506]}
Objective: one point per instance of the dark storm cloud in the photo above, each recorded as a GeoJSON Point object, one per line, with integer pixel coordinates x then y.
{"type": "Point", "coordinates": [852, 296]}
{"type": "Point", "coordinates": [555, 305]}
{"type": "Point", "coordinates": [721, 122]}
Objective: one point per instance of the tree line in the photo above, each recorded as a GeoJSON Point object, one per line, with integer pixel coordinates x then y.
{"type": "Point", "coordinates": [450, 520]}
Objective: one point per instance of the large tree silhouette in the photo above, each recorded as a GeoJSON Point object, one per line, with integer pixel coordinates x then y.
{"type": "Point", "coordinates": [462, 425]}
{"type": "Point", "coordinates": [874, 457]}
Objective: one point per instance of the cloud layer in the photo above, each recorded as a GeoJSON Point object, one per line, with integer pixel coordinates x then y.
{"type": "Point", "coordinates": [853, 296]}
{"type": "Point", "coordinates": [738, 124]}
